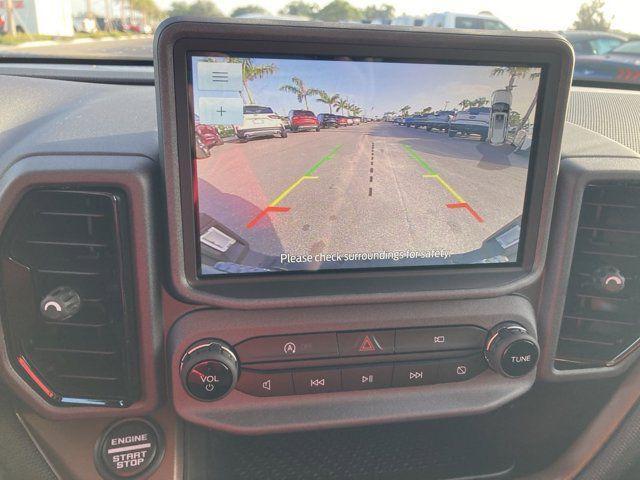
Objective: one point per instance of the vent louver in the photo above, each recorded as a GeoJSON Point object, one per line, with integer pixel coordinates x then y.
{"type": "Point", "coordinates": [74, 239]}
{"type": "Point", "coordinates": [600, 325]}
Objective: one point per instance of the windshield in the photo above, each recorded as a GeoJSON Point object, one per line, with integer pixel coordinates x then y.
{"type": "Point", "coordinates": [255, 109]}
{"type": "Point", "coordinates": [123, 29]}
{"type": "Point", "coordinates": [630, 48]}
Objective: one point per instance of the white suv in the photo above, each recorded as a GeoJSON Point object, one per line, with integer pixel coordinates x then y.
{"type": "Point", "coordinates": [461, 20]}
{"type": "Point", "coordinates": [258, 121]}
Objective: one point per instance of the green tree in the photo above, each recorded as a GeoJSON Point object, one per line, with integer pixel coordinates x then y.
{"type": "Point", "coordinates": [404, 111]}
{"type": "Point", "coordinates": [327, 99]}
{"type": "Point", "coordinates": [300, 90]}
{"type": "Point", "coordinates": [479, 102]}
{"type": "Point", "coordinates": [251, 71]}
{"type": "Point", "coordinates": [425, 111]}
{"type": "Point", "coordinates": [591, 17]}
{"type": "Point", "coordinates": [384, 12]}
{"type": "Point", "coordinates": [300, 8]}
{"type": "Point", "coordinates": [515, 118]}
{"type": "Point", "coordinates": [339, 10]}
{"type": "Point", "coordinates": [514, 72]}
{"type": "Point", "coordinates": [342, 105]}
{"type": "Point", "coordinates": [465, 103]}
{"type": "Point", "coordinates": [356, 111]}
{"type": "Point", "coordinates": [148, 8]}
{"type": "Point", "coordinates": [200, 8]}
{"type": "Point", "coordinates": [249, 9]}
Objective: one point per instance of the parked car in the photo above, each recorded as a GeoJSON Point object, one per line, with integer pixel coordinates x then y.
{"type": "Point", "coordinates": [259, 121]}
{"type": "Point", "coordinates": [475, 120]}
{"type": "Point", "coordinates": [327, 120]}
{"type": "Point", "coordinates": [85, 25]}
{"type": "Point", "coordinates": [342, 121]}
{"type": "Point", "coordinates": [414, 121]}
{"type": "Point", "coordinates": [301, 120]}
{"type": "Point", "coordinates": [285, 122]}
{"type": "Point", "coordinates": [439, 120]}
{"type": "Point", "coordinates": [620, 65]}
{"type": "Point", "coordinates": [462, 20]}
{"type": "Point", "coordinates": [356, 120]}
{"type": "Point", "coordinates": [587, 43]}
{"type": "Point", "coordinates": [207, 137]}
{"type": "Point", "coordinates": [349, 121]}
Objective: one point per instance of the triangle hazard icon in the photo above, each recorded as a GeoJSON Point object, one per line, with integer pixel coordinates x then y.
{"type": "Point", "coordinates": [367, 345]}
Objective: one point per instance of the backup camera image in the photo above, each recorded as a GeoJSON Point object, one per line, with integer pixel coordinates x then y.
{"type": "Point", "coordinates": [310, 164]}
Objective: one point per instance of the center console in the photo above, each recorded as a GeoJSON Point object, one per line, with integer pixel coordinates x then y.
{"type": "Point", "coordinates": [362, 263]}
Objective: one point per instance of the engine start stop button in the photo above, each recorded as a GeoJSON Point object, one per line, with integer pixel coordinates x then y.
{"type": "Point", "coordinates": [128, 449]}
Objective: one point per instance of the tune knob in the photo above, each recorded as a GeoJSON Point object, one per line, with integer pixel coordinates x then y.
{"type": "Point", "coordinates": [60, 304]}
{"type": "Point", "coordinates": [209, 370]}
{"type": "Point", "coordinates": [511, 350]}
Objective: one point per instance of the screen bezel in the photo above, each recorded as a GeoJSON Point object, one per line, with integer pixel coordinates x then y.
{"type": "Point", "coordinates": [527, 194]}
{"type": "Point", "coordinates": [403, 44]}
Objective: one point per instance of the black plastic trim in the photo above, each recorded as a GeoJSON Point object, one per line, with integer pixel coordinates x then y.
{"type": "Point", "coordinates": [133, 175]}
{"type": "Point", "coordinates": [175, 38]}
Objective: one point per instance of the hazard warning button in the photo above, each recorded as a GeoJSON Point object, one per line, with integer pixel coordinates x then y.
{"type": "Point", "coordinates": [373, 342]}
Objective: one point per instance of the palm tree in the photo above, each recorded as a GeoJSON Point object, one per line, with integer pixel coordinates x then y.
{"type": "Point", "coordinates": [514, 72]}
{"type": "Point", "coordinates": [466, 103]}
{"type": "Point", "coordinates": [405, 110]}
{"type": "Point", "coordinates": [327, 99]}
{"type": "Point", "coordinates": [425, 111]}
{"type": "Point", "coordinates": [300, 90]}
{"type": "Point", "coordinates": [342, 105]}
{"type": "Point", "coordinates": [479, 102]}
{"type": "Point", "coordinates": [356, 111]}
{"type": "Point", "coordinates": [251, 71]}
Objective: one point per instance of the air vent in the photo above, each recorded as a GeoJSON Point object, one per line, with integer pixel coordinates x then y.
{"type": "Point", "coordinates": [73, 239]}
{"type": "Point", "coordinates": [600, 325]}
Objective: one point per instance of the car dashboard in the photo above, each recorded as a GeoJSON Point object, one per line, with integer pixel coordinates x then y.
{"type": "Point", "coordinates": [525, 379]}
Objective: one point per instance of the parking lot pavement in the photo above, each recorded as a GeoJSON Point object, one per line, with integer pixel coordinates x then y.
{"type": "Point", "coordinates": [126, 48]}
{"type": "Point", "coordinates": [372, 187]}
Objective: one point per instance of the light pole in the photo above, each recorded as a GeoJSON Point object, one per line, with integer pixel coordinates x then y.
{"type": "Point", "coordinates": [11, 19]}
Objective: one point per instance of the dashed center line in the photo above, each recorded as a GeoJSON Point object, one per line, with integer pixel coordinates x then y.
{"type": "Point", "coordinates": [371, 169]}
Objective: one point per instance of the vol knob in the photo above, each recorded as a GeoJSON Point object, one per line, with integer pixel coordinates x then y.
{"type": "Point", "coordinates": [209, 370]}
{"type": "Point", "coordinates": [60, 304]}
{"type": "Point", "coordinates": [511, 350]}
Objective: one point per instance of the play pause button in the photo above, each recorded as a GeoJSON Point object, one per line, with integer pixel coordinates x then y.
{"type": "Point", "coordinates": [364, 378]}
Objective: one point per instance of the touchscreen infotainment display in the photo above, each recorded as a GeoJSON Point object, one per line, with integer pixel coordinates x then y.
{"type": "Point", "coordinates": [305, 164]}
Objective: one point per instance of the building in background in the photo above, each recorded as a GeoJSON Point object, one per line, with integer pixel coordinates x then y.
{"type": "Point", "coordinates": [41, 17]}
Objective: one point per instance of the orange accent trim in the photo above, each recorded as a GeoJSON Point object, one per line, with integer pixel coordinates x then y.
{"type": "Point", "coordinates": [27, 368]}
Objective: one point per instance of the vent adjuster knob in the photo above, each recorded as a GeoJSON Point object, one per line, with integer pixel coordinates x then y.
{"type": "Point", "coordinates": [60, 304]}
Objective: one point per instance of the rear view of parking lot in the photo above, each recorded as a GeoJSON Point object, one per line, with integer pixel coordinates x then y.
{"type": "Point", "coordinates": [364, 188]}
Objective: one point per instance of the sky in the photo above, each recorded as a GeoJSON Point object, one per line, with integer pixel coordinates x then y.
{"type": "Point", "coordinates": [382, 87]}
{"type": "Point", "coordinates": [518, 14]}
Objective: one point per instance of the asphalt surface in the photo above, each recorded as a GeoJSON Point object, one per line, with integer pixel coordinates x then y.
{"type": "Point", "coordinates": [367, 188]}
{"type": "Point", "coordinates": [133, 48]}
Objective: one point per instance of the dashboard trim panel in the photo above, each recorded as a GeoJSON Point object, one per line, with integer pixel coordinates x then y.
{"type": "Point", "coordinates": [133, 175]}
{"type": "Point", "coordinates": [241, 413]}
